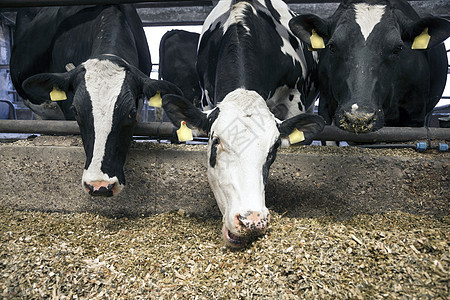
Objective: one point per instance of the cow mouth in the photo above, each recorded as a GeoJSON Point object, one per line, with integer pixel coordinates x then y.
{"type": "Point", "coordinates": [233, 240]}
{"type": "Point", "coordinates": [238, 241]}
{"type": "Point", "coordinates": [358, 122]}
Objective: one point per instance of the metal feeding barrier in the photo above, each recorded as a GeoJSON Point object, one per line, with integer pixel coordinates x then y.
{"type": "Point", "coordinates": [165, 130]}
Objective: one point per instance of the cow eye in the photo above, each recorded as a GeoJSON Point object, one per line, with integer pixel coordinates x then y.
{"type": "Point", "coordinates": [132, 114]}
{"type": "Point", "coordinates": [331, 47]}
{"type": "Point", "coordinates": [215, 148]}
{"type": "Point", "coordinates": [216, 142]}
{"type": "Point", "coordinates": [397, 49]}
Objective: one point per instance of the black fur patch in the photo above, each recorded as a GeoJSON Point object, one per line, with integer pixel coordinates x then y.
{"type": "Point", "coordinates": [213, 158]}
{"type": "Point", "coordinates": [212, 117]}
{"type": "Point", "coordinates": [270, 159]}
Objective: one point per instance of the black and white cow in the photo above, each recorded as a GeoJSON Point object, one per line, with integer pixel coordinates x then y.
{"type": "Point", "coordinates": [253, 72]}
{"type": "Point", "coordinates": [177, 62]}
{"type": "Point", "coordinates": [369, 75]}
{"type": "Point", "coordinates": [108, 50]}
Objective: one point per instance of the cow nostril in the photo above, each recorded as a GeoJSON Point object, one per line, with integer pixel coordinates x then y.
{"type": "Point", "coordinates": [100, 190]}
{"type": "Point", "coordinates": [89, 188]}
{"type": "Point", "coordinates": [252, 221]}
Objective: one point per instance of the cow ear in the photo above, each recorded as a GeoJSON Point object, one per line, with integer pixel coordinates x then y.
{"type": "Point", "coordinates": [301, 129]}
{"type": "Point", "coordinates": [151, 86]}
{"type": "Point", "coordinates": [311, 29]}
{"type": "Point", "coordinates": [427, 32]}
{"type": "Point", "coordinates": [179, 109]}
{"type": "Point", "coordinates": [47, 87]}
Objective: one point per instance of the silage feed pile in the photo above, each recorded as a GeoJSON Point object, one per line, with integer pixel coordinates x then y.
{"type": "Point", "coordinates": [175, 256]}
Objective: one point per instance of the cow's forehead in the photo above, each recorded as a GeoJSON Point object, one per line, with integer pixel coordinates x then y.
{"type": "Point", "coordinates": [368, 16]}
{"type": "Point", "coordinates": [245, 120]}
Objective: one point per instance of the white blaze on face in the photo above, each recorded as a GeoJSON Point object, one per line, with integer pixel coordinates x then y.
{"type": "Point", "coordinates": [104, 81]}
{"type": "Point", "coordinates": [367, 16]}
{"type": "Point", "coordinates": [247, 131]}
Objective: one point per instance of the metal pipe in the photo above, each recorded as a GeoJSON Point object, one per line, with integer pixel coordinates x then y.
{"type": "Point", "coordinates": [385, 134]}
{"type": "Point", "coordinates": [166, 130]}
{"type": "Point", "coordinates": [37, 3]}
{"type": "Point", "coordinates": [25, 3]}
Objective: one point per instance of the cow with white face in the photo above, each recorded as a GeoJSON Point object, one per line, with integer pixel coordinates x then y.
{"type": "Point", "coordinates": [94, 61]}
{"type": "Point", "coordinates": [253, 72]}
{"type": "Point", "coordinates": [381, 64]}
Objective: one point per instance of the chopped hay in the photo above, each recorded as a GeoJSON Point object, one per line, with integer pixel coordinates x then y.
{"type": "Point", "coordinates": [171, 255]}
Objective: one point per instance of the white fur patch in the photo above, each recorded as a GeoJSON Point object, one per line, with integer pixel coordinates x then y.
{"type": "Point", "coordinates": [104, 81]}
{"type": "Point", "coordinates": [286, 15]}
{"type": "Point", "coordinates": [284, 103]}
{"type": "Point", "coordinates": [354, 108]}
{"type": "Point", "coordinates": [247, 130]}
{"type": "Point", "coordinates": [367, 16]}
{"type": "Point", "coordinates": [221, 8]}
{"type": "Point", "coordinates": [237, 16]}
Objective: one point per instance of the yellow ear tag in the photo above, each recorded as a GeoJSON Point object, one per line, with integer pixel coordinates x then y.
{"type": "Point", "coordinates": [296, 136]}
{"type": "Point", "coordinates": [316, 41]}
{"type": "Point", "coordinates": [421, 41]}
{"type": "Point", "coordinates": [184, 133]}
{"type": "Point", "coordinates": [156, 100]}
{"type": "Point", "coordinates": [57, 95]}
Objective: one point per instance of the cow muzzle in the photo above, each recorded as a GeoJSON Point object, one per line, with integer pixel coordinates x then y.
{"type": "Point", "coordinates": [247, 227]}
{"type": "Point", "coordinates": [102, 188]}
{"type": "Point", "coordinates": [358, 122]}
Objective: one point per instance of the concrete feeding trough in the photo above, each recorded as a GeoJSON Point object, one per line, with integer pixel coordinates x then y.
{"type": "Point", "coordinates": [45, 174]}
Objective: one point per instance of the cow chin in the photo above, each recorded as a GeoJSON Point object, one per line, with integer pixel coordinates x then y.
{"type": "Point", "coordinates": [239, 241]}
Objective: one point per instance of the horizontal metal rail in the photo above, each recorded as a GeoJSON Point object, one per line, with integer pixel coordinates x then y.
{"type": "Point", "coordinates": [36, 3]}
{"type": "Point", "coordinates": [167, 131]}
{"type": "Point", "coordinates": [30, 3]}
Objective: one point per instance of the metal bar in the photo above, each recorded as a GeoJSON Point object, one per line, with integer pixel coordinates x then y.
{"type": "Point", "coordinates": [386, 134]}
{"type": "Point", "coordinates": [37, 3]}
{"type": "Point", "coordinates": [166, 130]}
{"type": "Point", "coordinates": [71, 127]}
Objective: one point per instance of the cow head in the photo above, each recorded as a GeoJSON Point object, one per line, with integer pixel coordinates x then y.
{"type": "Point", "coordinates": [105, 97]}
{"type": "Point", "coordinates": [367, 58]}
{"type": "Point", "coordinates": [243, 140]}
